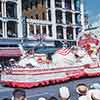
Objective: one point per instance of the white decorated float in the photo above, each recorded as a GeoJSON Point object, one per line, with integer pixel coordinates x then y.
{"type": "Point", "coordinates": [67, 63]}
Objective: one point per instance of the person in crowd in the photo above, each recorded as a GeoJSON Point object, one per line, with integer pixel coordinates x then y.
{"type": "Point", "coordinates": [64, 93]}
{"type": "Point", "coordinates": [52, 98]}
{"type": "Point", "coordinates": [42, 98]}
{"type": "Point", "coordinates": [0, 67]}
{"type": "Point", "coordinates": [92, 94]}
{"type": "Point", "coordinates": [19, 94]}
{"type": "Point", "coordinates": [81, 89]}
{"type": "Point", "coordinates": [95, 86]}
{"type": "Point", "coordinates": [84, 97]}
{"type": "Point", "coordinates": [12, 63]}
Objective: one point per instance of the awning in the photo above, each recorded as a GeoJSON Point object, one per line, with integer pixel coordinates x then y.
{"type": "Point", "coordinates": [10, 52]}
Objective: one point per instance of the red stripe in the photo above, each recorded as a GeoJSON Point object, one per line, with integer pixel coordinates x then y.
{"type": "Point", "coordinates": [64, 51]}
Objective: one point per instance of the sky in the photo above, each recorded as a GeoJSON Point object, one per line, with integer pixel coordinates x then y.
{"type": "Point", "coordinates": [92, 7]}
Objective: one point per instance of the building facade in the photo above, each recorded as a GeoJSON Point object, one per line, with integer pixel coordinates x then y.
{"type": "Point", "coordinates": [29, 21]}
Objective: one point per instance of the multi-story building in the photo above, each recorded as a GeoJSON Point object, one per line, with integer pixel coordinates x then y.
{"type": "Point", "coordinates": [26, 21]}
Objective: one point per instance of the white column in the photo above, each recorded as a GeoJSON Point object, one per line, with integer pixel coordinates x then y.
{"type": "Point", "coordinates": [72, 5]}
{"type": "Point", "coordinates": [73, 19]}
{"type": "Point", "coordinates": [64, 19]}
{"type": "Point", "coordinates": [63, 4]}
{"type": "Point", "coordinates": [2, 8]}
{"type": "Point", "coordinates": [19, 16]}
{"type": "Point", "coordinates": [46, 2]}
{"type": "Point", "coordinates": [46, 9]}
{"type": "Point", "coordinates": [41, 31]}
{"type": "Point", "coordinates": [47, 31]}
{"type": "Point", "coordinates": [63, 13]}
{"type": "Point", "coordinates": [82, 14]}
{"type": "Point", "coordinates": [34, 28]}
{"type": "Point", "coordinates": [73, 14]}
{"type": "Point", "coordinates": [5, 30]}
{"type": "Point", "coordinates": [53, 17]}
{"type": "Point", "coordinates": [47, 15]}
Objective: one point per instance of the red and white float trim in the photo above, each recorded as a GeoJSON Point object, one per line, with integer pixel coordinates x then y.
{"type": "Point", "coordinates": [27, 78]}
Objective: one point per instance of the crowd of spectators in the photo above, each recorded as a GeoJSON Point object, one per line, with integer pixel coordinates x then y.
{"type": "Point", "coordinates": [85, 93]}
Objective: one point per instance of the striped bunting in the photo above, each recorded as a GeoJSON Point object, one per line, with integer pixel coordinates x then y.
{"type": "Point", "coordinates": [63, 51]}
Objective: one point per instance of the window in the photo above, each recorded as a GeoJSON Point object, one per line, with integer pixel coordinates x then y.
{"type": "Point", "coordinates": [59, 16]}
{"type": "Point", "coordinates": [12, 29]}
{"type": "Point", "coordinates": [68, 4]}
{"type": "Point", "coordinates": [44, 29]}
{"type": "Point", "coordinates": [35, 9]}
{"type": "Point", "coordinates": [69, 33]}
{"type": "Point", "coordinates": [49, 15]}
{"type": "Point", "coordinates": [38, 29]}
{"type": "Point", "coordinates": [78, 30]}
{"type": "Point", "coordinates": [59, 30]}
{"type": "Point", "coordinates": [37, 17]}
{"type": "Point", "coordinates": [31, 28]}
{"type": "Point", "coordinates": [43, 16]}
{"type": "Point", "coordinates": [77, 19]}
{"type": "Point", "coordinates": [11, 9]}
{"type": "Point", "coordinates": [68, 18]}
{"type": "Point", "coordinates": [50, 30]}
{"type": "Point", "coordinates": [48, 3]}
{"type": "Point", "coordinates": [58, 3]}
{"type": "Point", "coordinates": [77, 4]}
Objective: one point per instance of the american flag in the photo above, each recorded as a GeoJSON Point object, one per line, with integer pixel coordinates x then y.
{"type": "Point", "coordinates": [63, 51]}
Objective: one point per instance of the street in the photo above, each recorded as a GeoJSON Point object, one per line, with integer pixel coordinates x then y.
{"type": "Point", "coordinates": [52, 90]}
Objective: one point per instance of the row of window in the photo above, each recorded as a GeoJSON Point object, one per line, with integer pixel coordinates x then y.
{"type": "Point", "coordinates": [11, 11]}
{"type": "Point", "coordinates": [58, 3]}
{"type": "Point", "coordinates": [37, 10]}
{"type": "Point", "coordinates": [67, 17]}
{"type": "Point", "coordinates": [59, 16]}
{"type": "Point", "coordinates": [43, 29]}
{"type": "Point", "coordinates": [37, 29]}
{"type": "Point", "coordinates": [67, 4]}
{"type": "Point", "coordinates": [47, 30]}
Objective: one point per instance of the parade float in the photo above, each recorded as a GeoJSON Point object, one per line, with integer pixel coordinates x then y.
{"type": "Point", "coordinates": [65, 64]}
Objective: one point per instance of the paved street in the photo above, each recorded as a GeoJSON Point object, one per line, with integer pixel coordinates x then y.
{"type": "Point", "coordinates": [35, 93]}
